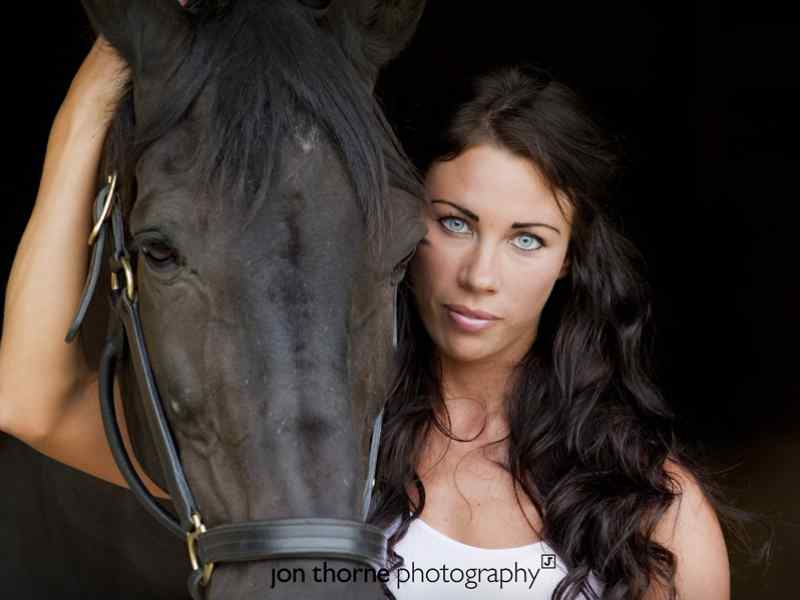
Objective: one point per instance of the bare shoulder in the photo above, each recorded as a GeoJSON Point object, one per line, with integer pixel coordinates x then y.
{"type": "Point", "coordinates": [691, 530]}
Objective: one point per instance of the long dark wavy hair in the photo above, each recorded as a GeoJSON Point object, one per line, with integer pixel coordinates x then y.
{"type": "Point", "coordinates": [589, 430]}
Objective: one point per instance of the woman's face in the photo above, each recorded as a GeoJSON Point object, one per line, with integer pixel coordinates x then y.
{"type": "Point", "coordinates": [497, 242]}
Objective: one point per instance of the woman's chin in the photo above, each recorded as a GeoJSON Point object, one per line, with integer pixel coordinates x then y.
{"type": "Point", "coordinates": [465, 351]}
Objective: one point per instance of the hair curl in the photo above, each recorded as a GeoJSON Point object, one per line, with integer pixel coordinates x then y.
{"type": "Point", "coordinates": [589, 431]}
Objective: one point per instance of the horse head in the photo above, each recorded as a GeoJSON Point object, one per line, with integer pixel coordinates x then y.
{"type": "Point", "coordinates": [269, 213]}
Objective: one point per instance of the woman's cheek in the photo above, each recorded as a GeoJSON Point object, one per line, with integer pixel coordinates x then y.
{"type": "Point", "coordinates": [533, 291]}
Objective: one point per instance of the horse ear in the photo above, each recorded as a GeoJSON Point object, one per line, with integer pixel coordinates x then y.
{"type": "Point", "coordinates": [385, 28]}
{"type": "Point", "coordinates": [142, 31]}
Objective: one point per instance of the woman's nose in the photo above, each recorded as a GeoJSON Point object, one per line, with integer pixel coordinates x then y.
{"type": "Point", "coordinates": [479, 272]}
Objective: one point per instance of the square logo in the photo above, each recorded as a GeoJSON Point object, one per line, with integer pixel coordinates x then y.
{"type": "Point", "coordinates": [548, 561]}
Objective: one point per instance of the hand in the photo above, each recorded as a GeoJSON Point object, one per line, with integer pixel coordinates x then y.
{"type": "Point", "coordinates": [98, 84]}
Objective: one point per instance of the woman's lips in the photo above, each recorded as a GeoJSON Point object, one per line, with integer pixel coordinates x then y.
{"type": "Point", "coordinates": [472, 314]}
{"type": "Point", "coordinates": [465, 323]}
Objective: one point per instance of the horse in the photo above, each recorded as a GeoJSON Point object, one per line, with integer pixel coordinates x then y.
{"type": "Point", "coordinates": [268, 213]}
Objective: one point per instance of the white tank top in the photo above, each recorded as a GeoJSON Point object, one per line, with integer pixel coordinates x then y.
{"type": "Point", "coordinates": [440, 567]}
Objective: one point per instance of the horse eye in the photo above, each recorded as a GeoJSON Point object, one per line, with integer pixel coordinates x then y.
{"type": "Point", "coordinates": [399, 270]}
{"type": "Point", "coordinates": [404, 263]}
{"type": "Point", "coordinates": [158, 255]}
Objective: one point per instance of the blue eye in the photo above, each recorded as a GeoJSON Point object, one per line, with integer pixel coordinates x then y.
{"type": "Point", "coordinates": [532, 242]}
{"type": "Point", "coordinates": [443, 221]}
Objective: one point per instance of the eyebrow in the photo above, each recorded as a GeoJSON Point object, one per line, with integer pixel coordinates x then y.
{"type": "Point", "coordinates": [474, 217]}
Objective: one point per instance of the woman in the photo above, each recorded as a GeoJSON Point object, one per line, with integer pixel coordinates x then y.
{"type": "Point", "coordinates": [523, 422]}
{"type": "Point", "coordinates": [553, 385]}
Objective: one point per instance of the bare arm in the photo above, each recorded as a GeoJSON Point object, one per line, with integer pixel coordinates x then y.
{"type": "Point", "coordinates": [48, 394]}
{"type": "Point", "coordinates": [691, 530]}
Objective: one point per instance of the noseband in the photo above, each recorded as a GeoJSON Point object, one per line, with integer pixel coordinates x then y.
{"type": "Point", "coordinates": [238, 542]}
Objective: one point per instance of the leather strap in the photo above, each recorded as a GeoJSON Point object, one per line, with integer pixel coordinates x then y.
{"type": "Point", "coordinates": [377, 425]}
{"type": "Point", "coordinates": [95, 267]}
{"type": "Point", "coordinates": [374, 446]}
{"type": "Point", "coordinates": [178, 487]}
{"type": "Point", "coordinates": [112, 352]}
{"type": "Point", "coordinates": [285, 538]}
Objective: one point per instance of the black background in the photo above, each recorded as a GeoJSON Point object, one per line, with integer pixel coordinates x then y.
{"type": "Point", "coordinates": [704, 98]}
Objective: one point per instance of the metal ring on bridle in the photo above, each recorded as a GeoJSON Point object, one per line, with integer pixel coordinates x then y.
{"type": "Point", "coordinates": [130, 288]}
{"type": "Point", "coordinates": [112, 179]}
{"type": "Point", "coordinates": [191, 542]}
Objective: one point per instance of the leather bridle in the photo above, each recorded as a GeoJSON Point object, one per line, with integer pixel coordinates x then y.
{"type": "Point", "coordinates": [238, 542]}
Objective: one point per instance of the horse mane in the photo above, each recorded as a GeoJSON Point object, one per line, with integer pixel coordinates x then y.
{"type": "Point", "coordinates": [278, 68]}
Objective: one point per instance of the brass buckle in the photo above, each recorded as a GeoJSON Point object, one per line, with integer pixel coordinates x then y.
{"type": "Point", "coordinates": [112, 180]}
{"type": "Point", "coordinates": [129, 286]}
{"type": "Point", "coordinates": [191, 542]}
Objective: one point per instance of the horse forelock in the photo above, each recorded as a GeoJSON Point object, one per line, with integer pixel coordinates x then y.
{"type": "Point", "coordinates": [264, 75]}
